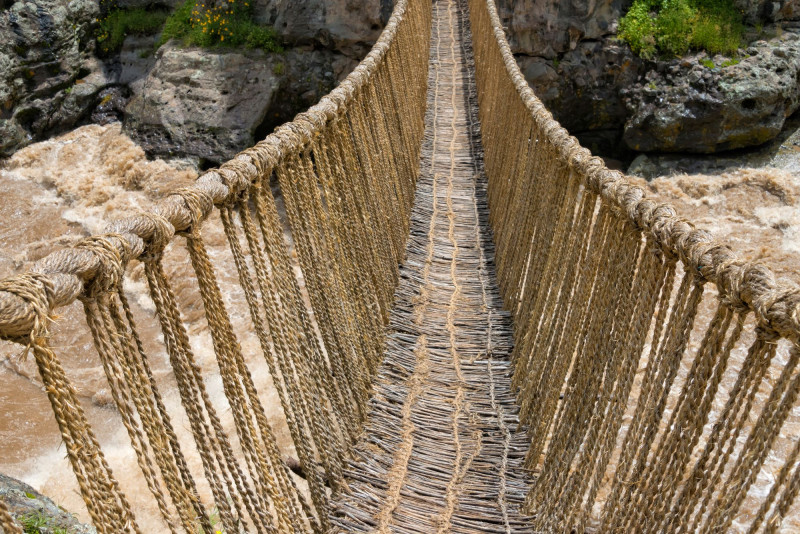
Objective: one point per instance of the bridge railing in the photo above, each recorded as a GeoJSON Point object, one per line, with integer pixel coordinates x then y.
{"type": "Point", "coordinates": [654, 369]}
{"type": "Point", "coordinates": [346, 169]}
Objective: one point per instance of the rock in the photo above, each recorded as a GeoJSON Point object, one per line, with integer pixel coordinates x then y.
{"type": "Point", "coordinates": [759, 11]}
{"type": "Point", "coordinates": [308, 75]}
{"type": "Point", "coordinates": [136, 59]}
{"type": "Point", "coordinates": [348, 26]}
{"type": "Point", "coordinates": [212, 104]}
{"type": "Point", "coordinates": [709, 110]}
{"type": "Point", "coordinates": [582, 89]}
{"type": "Point", "coordinates": [782, 153]}
{"type": "Point", "coordinates": [24, 502]}
{"type": "Point", "coordinates": [49, 79]}
{"type": "Point", "coordinates": [547, 28]}
{"type": "Point", "coordinates": [206, 103]}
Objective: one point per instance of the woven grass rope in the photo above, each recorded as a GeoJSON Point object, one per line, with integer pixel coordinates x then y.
{"type": "Point", "coordinates": [491, 332]}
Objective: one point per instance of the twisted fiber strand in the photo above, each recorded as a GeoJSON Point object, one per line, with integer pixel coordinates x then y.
{"type": "Point", "coordinates": [172, 463]}
{"type": "Point", "coordinates": [287, 489]}
{"type": "Point", "coordinates": [96, 315]}
{"type": "Point", "coordinates": [281, 302]}
{"type": "Point", "coordinates": [669, 451]}
{"type": "Point", "coordinates": [107, 343]}
{"type": "Point", "coordinates": [554, 412]}
{"type": "Point", "coordinates": [105, 502]}
{"type": "Point", "coordinates": [252, 426]}
{"type": "Point", "coordinates": [7, 523]}
{"type": "Point", "coordinates": [290, 305]}
{"type": "Point", "coordinates": [788, 496]}
{"type": "Point", "coordinates": [546, 367]}
{"type": "Point", "coordinates": [645, 309]}
{"type": "Point", "coordinates": [369, 326]}
{"type": "Point", "coordinates": [623, 475]}
{"type": "Point", "coordinates": [754, 453]}
{"type": "Point", "coordinates": [741, 288]}
{"type": "Point", "coordinates": [673, 349]}
{"type": "Point", "coordinates": [573, 426]}
{"type": "Point", "coordinates": [722, 442]}
{"type": "Point", "coordinates": [775, 304]}
{"type": "Point", "coordinates": [605, 409]}
{"type": "Point", "coordinates": [697, 416]}
{"type": "Point", "coordinates": [352, 310]}
{"type": "Point", "coordinates": [220, 466]}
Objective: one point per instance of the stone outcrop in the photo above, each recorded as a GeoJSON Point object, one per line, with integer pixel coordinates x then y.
{"type": "Point", "coordinates": [756, 11]}
{"type": "Point", "coordinates": [582, 89]}
{"type": "Point", "coordinates": [201, 102]}
{"type": "Point", "coordinates": [49, 79]}
{"type": "Point", "coordinates": [690, 107]}
{"type": "Point", "coordinates": [548, 28]}
{"type": "Point", "coordinates": [568, 52]}
{"type": "Point", "coordinates": [24, 502]}
{"type": "Point", "coordinates": [348, 26]}
{"type": "Point", "coordinates": [214, 103]}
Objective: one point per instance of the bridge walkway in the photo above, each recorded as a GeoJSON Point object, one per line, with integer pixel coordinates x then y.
{"type": "Point", "coordinates": [442, 450]}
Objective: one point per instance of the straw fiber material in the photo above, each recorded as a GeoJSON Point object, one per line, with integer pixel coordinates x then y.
{"type": "Point", "coordinates": [442, 450]}
{"type": "Point", "coordinates": [489, 331]}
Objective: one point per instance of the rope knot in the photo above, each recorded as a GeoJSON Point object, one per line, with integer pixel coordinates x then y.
{"type": "Point", "coordinates": [199, 205]}
{"type": "Point", "coordinates": [108, 276]}
{"type": "Point", "coordinates": [36, 290]}
{"type": "Point", "coordinates": [156, 233]}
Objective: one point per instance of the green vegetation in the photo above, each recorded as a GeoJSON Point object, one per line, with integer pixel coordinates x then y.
{"type": "Point", "coordinates": [707, 63]}
{"type": "Point", "coordinates": [730, 62]}
{"type": "Point", "coordinates": [119, 23]}
{"type": "Point", "coordinates": [673, 27]}
{"type": "Point", "coordinates": [194, 23]}
{"type": "Point", "coordinates": [35, 522]}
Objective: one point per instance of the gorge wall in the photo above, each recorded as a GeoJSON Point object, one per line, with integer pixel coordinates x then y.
{"type": "Point", "coordinates": [211, 103]}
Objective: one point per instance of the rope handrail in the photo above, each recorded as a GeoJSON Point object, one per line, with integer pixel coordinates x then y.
{"type": "Point", "coordinates": [346, 169]}
{"type": "Point", "coordinates": [744, 284]}
{"type": "Point", "coordinates": [66, 272]}
{"type": "Point", "coordinates": [652, 404]}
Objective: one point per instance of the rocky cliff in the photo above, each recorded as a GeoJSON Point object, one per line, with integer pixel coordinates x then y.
{"type": "Point", "coordinates": [49, 77]}
{"type": "Point", "coordinates": [207, 103]}
{"type": "Point", "coordinates": [598, 89]}
{"type": "Point", "coordinates": [211, 103]}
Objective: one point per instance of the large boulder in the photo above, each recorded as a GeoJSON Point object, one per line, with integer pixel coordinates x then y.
{"type": "Point", "coordinates": [49, 79]}
{"type": "Point", "coordinates": [690, 107]}
{"type": "Point", "coordinates": [214, 103]}
{"type": "Point", "coordinates": [349, 26]}
{"type": "Point", "coordinates": [206, 103]}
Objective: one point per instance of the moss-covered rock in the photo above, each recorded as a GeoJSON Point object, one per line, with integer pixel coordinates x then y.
{"type": "Point", "coordinates": [35, 513]}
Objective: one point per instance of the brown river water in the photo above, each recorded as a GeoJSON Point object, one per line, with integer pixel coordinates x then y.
{"type": "Point", "coordinates": [58, 191]}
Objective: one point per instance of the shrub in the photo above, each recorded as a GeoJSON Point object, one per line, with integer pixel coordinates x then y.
{"type": "Point", "coordinates": [673, 27]}
{"type": "Point", "coordinates": [119, 23]}
{"type": "Point", "coordinates": [231, 24]}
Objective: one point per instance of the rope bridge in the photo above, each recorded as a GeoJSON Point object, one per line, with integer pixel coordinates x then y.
{"type": "Point", "coordinates": [491, 331]}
